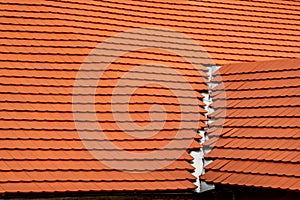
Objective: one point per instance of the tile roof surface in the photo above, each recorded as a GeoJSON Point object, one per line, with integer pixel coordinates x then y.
{"type": "Point", "coordinates": [43, 44]}
{"type": "Point", "coordinates": [259, 144]}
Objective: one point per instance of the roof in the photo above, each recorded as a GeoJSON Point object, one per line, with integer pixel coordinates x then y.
{"type": "Point", "coordinates": [44, 43]}
{"type": "Point", "coordinates": [259, 144]}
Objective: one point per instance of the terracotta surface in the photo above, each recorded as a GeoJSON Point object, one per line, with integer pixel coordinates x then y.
{"type": "Point", "coordinates": [259, 144]}
{"type": "Point", "coordinates": [40, 149]}
{"type": "Point", "coordinates": [43, 44]}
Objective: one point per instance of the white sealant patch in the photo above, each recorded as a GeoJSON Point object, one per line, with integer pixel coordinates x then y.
{"type": "Point", "coordinates": [199, 162]}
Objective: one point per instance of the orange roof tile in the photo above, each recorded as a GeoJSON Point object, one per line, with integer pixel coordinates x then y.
{"type": "Point", "coordinates": [43, 44]}
{"type": "Point", "coordinates": [259, 144]}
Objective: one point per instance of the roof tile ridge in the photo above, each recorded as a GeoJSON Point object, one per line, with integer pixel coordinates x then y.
{"type": "Point", "coordinates": [150, 23]}
{"type": "Point", "coordinates": [167, 14]}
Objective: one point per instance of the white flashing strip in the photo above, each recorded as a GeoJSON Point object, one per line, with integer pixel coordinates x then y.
{"type": "Point", "coordinates": [199, 163]}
